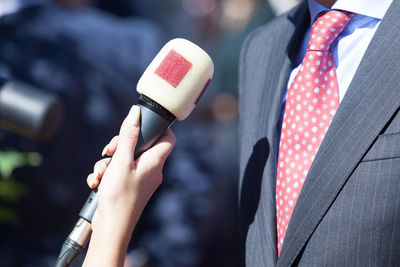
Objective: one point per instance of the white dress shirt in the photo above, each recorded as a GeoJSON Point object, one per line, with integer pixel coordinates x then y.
{"type": "Point", "coordinates": [349, 48]}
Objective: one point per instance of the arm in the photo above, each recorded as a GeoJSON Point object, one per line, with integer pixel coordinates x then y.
{"type": "Point", "coordinates": [126, 187]}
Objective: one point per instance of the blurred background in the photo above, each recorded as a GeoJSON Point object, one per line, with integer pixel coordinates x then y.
{"type": "Point", "coordinates": [87, 56]}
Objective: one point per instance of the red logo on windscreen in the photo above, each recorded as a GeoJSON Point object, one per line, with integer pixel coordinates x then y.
{"type": "Point", "coordinates": [173, 68]}
{"type": "Point", "coordinates": [202, 91]}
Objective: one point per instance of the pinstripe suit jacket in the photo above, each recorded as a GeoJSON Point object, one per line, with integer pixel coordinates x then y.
{"type": "Point", "coordinates": [348, 211]}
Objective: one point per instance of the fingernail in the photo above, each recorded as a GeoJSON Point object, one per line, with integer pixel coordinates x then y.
{"type": "Point", "coordinates": [96, 173]}
{"type": "Point", "coordinates": [134, 113]}
{"type": "Point", "coordinates": [105, 151]}
{"type": "Point", "coordinates": [91, 183]}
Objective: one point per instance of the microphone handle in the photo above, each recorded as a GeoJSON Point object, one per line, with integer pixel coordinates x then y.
{"type": "Point", "coordinates": [155, 120]}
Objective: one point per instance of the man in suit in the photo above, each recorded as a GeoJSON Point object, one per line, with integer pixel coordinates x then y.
{"type": "Point", "coordinates": [347, 211]}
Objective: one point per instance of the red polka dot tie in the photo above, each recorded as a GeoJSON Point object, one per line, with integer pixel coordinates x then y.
{"type": "Point", "coordinates": [311, 103]}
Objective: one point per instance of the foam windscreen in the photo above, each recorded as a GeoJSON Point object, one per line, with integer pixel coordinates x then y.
{"type": "Point", "coordinates": [177, 77]}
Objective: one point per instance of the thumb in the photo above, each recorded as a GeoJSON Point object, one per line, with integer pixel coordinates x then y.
{"type": "Point", "coordinates": [162, 148]}
{"type": "Point", "coordinates": [128, 134]}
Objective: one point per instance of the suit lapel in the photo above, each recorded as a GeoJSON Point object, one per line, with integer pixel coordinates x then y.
{"type": "Point", "coordinates": [371, 100]}
{"type": "Point", "coordinates": [299, 18]}
{"type": "Point", "coordinates": [257, 203]}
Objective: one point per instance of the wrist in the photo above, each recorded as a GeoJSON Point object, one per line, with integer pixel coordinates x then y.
{"type": "Point", "coordinates": [118, 217]}
{"type": "Point", "coordinates": [112, 229]}
{"type": "Point", "coordinates": [108, 243]}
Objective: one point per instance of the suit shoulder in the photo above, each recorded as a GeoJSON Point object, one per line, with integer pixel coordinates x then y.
{"type": "Point", "coordinates": [277, 26]}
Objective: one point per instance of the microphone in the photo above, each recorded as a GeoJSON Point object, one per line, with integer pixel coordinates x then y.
{"type": "Point", "coordinates": [169, 89]}
{"type": "Point", "coordinates": [28, 111]}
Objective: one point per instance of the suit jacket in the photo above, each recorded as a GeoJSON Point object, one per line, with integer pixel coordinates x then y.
{"type": "Point", "coordinates": [348, 211]}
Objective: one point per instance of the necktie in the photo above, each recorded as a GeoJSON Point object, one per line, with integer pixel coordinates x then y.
{"type": "Point", "coordinates": [311, 103]}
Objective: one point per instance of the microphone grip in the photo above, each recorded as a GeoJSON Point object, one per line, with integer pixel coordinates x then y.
{"type": "Point", "coordinates": [155, 120]}
{"type": "Point", "coordinates": [153, 127]}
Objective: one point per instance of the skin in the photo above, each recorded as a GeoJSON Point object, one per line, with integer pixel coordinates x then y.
{"type": "Point", "coordinates": [327, 3]}
{"type": "Point", "coordinates": [126, 186]}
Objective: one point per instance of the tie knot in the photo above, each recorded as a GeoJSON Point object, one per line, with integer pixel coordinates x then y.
{"type": "Point", "coordinates": [327, 28]}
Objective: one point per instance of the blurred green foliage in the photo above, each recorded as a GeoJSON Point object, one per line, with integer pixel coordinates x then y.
{"type": "Point", "coordinates": [10, 190]}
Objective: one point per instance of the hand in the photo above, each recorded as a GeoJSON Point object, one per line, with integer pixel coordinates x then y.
{"type": "Point", "coordinates": [126, 186]}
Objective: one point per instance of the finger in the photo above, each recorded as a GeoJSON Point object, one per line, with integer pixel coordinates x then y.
{"type": "Point", "coordinates": [162, 148]}
{"type": "Point", "coordinates": [128, 135]}
{"type": "Point", "coordinates": [113, 145]}
{"type": "Point", "coordinates": [110, 148]}
{"type": "Point", "coordinates": [92, 181]}
{"type": "Point", "coordinates": [100, 167]}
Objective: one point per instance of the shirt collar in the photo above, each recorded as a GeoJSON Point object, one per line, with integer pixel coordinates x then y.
{"type": "Point", "coordinates": [370, 8]}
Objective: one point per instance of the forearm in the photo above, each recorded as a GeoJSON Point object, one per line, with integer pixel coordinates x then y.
{"type": "Point", "coordinates": [112, 230]}
{"type": "Point", "coordinates": [126, 186]}
{"type": "Point", "coordinates": [108, 243]}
